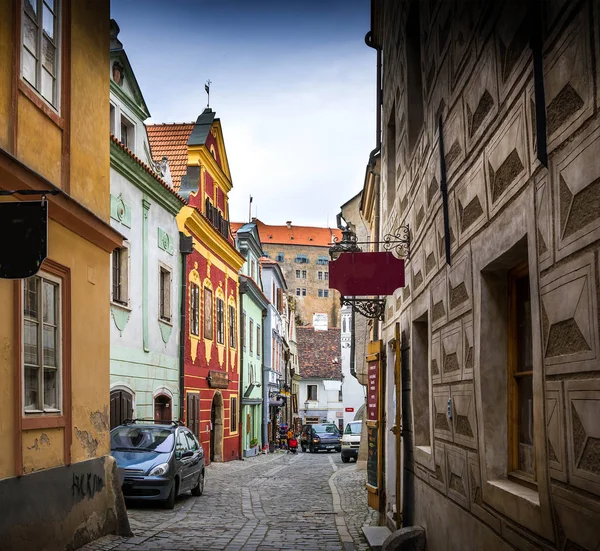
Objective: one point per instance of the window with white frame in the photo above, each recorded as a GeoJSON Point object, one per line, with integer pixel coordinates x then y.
{"type": "Point", "coordinates": [320, 292]}
{"type": "Point", "coordinates": [311, 393]}
{"type": "Point", "coordinates": [194, 309]}
{"type": "Point", "coordinates": [164, 297]}
{"type": "Point", "coordinates": [40, 51]}
{"type": "Point", "coordinates": [42, 358]}
{"type": "Point", "coordinates": [301, 259]}
{"type": "Point", "coordinates": [113, 119]}
{"type": "Point", "coordinates": [297, 291]}
{"type": "Point", "coordinates": [303, 292]}
{"type": "Point", "coordinates": [325, 293]}
{"type": "Point", "coordinates": [323, 260]}
{"type": "Point", "coordinates": [120, 276]}
{"type": "Point", "coordinates": [258, 341]}
{"type": "Point", "coordinates": [319, 275]}
{"type": "Point", "coordinates": [325, 276]}
{"type": "Point", "coordinates": [298, 272]}
{"type": "Point", "coordinates": [303, 274]}
{"type": "Point", "coordinates": [251, 335]}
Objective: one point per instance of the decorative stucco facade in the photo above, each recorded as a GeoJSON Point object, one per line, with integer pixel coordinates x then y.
{"type": "Point", "coordinates": [499, 401]}
{"type": "Point", "coordinates": [146, 272]}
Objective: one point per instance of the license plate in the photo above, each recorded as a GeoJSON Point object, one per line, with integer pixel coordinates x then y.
{"type": "Point", "coordinates": [330, 447]}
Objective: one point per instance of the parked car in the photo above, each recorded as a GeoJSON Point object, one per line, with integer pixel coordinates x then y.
{"type": "Point", "coordinates": [160, 461]}
{"type": "Point", "coordinates": [351, 441]}
{"type": "Point", "coordinates": [324, 436]}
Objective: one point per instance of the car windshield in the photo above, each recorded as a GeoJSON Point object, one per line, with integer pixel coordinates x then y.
{"type": "Point", "coordinates": [158, 440]}
{"type": "Point", "coordinates": [353, 428]}
{"type": "Point", "coordinates": [323, 429]}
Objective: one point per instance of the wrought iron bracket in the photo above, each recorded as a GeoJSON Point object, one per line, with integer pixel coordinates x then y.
{"type": "Point", "coordinates": [398, 241]}
{"type": "Point", "coordinates": [373, 308]}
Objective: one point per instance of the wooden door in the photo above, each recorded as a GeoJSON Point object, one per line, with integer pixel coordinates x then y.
{"type": "Point", "coordinates": [193, 413]}
{"type": "Point", "coordinates": [162, 409]}
{"type": "Point", "coordinates": [121, 407]}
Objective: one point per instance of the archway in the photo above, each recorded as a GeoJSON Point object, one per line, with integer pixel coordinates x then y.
{"type": "Point", "coordinates": [162, 408]}
{"type": "Point", "coordinates": [216, 428]}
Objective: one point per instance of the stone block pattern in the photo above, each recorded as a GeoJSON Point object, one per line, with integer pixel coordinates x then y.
{"type": "Point", "coordinates": [477, 75]}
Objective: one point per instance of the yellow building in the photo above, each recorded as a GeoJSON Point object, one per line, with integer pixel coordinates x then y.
{"type": "Point", "coordinates": [58, 486]}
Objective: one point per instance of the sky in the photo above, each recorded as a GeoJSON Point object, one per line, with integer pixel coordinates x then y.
{"type": "Point", "coordinates": [293, 84]}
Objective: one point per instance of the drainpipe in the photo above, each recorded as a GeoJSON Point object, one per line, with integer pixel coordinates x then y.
{"type": "Point", "coordinates": [243, 289]}
{"type": "Point", "coordinates": [186, 246]}
{"type": "Point", "coordinates": [265, 386]}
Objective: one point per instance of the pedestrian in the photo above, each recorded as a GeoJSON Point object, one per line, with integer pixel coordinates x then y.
{"type": "Point", "coordinates": [290, 434]}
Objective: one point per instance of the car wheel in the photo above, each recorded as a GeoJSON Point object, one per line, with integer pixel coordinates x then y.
{"type": "Point", "coordinates": [169, 503]}
{"type": "Point", "coordinates": [338, 450]}
{"type": "Point", "coordinates": [304, 449]}
{"type": "Point", "coordinates": [312, 449]}
{"type": "Point", "coordinates": [199, 488]}
{"type": "Point", "coordinates": [345, 459]}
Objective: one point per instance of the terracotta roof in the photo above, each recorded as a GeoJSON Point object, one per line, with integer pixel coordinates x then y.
{"type": "Point", "coordinates": [147, 168]}
{"type": "Point", "coordinates": [294, 235]}
{"type": "Point", "coordinates": [265, 260]}
{"type": "Point", "coordinates": [317, 351]}
{"type": "Point", "coordinates": [170, 141]}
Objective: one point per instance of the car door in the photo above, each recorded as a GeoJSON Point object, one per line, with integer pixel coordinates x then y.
{"type": "Point", "coordinates": [197, 460]}
{"type": "Point", "coordinates": [184, 463]}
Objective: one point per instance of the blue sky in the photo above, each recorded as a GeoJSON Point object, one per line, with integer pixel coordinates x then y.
{"type": "Point", "coordinates": [292, 82]}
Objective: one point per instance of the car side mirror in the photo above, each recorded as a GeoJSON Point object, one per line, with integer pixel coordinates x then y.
{"type": "Point", "coordinates": [186, 454]}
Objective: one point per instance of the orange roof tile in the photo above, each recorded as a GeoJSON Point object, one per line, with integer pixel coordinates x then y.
{"type": "Point", "coordinates": [170, 141]}
{"type": "Point", "coordinates": [147, 168]}
{"type": "Point", "coordinates": [294, 235]}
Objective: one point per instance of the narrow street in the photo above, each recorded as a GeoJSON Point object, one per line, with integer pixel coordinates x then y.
{"type": "Point", "coordinates": [278, 501]}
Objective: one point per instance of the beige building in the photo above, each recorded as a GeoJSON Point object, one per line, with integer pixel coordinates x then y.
{"type": "Point", "coordinates": [500, 367]}
{"type": "Point", "coordinates": [303, 254]}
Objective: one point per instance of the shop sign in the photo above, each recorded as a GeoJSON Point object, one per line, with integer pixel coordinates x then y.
{"type": "Point", "coordinates": [218, 379]}
{"type": "Point", "coordinates": [349, 410]}
{"type": "Point", "coordinates": [373, 391]}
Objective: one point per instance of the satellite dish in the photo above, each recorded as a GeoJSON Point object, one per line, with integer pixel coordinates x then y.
{"type": "Point", "coordinates": [25, 224]}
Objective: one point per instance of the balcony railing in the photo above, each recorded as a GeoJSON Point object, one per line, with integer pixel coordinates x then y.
{"type": "Point", "coordinates": [216, 219]}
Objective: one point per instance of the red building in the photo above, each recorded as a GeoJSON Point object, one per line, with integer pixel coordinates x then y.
{"type": "Point", "coordinates": [200, 172]}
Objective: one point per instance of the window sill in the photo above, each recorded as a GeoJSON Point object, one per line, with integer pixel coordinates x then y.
{"type": "Point", "coordinates": [40, 420]}
{"type": "Point", "coordinates": [32, 95]}
{"type": "Point", "coordinates": [121, 306]}
{"type": "Point", "coordinates": [165, 322]}
{"type": "Point", "coordinates": [517, 490]}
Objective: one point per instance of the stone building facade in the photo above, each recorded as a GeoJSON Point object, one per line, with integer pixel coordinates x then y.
{"type": "Point", "coordinates": [499, 315]}
{"type": "Point", "coordinates": [303, 254]}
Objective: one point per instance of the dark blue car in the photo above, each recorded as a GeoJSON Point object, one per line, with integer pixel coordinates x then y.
{"type": "Point", "coordinates": [160, 462]}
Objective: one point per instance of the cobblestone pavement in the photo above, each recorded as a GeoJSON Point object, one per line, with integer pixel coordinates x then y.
{"type": "Point", "coordinates": [311, 502]}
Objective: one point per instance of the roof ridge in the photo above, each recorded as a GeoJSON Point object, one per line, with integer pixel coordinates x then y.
{"type": "Point", "coordinates": [170, 123]}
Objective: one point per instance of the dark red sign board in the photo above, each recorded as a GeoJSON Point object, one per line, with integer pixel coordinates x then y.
{"type": "Point", "coordinates": [366, 274]}
{"type": "Point", "coordinates": [349, 410]}
{"type": "Point", "coordinates": [373, 391]}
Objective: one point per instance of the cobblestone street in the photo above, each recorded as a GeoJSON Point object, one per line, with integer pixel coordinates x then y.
{"type": "Point", "coordinates": [279, 501]}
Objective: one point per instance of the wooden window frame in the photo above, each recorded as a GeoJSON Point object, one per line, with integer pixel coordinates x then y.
{"type": "Point", "coordinates": [258, 341]}
{"type": "Point", "coordinates": [195, 309]}
{"type": "Point", "coordinates": [36, 421]}
{"type": "Point", "coordinates": [308, 398]}
{"type": "Point", "coordinates": [123, 273]}
{"type": "Point", "coordinates": [220, 320]}
{"type": "Point", "coordinates": [233, 414]}
{"type": "Point", "coordinates": [514, 473]}
{"type": "Point", "coordinates": [251, 332]}
{"type": "Point", "coordinates": [244, 331]}
{"type": "Point", "coordinates": [165, 310]}
{"type": "Point", "coordinates": [232, 334]}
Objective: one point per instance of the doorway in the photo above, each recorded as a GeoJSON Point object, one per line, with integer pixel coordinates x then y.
{"type": "Point", "coordinates": [216, 428]}
{"type": "Point", "coordinates": [162, 408]}
{"type": "Point", "coordinates": [121, 407]}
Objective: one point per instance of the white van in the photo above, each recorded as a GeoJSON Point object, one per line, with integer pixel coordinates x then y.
{"type": "Point", "coordinates": [351, 441]}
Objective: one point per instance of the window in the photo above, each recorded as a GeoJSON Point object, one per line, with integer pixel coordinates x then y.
{"type": "Point", "coordinates": [303, 274]}
{"type": "Point", "coordinates": [120, 279]}
{"type": "Point", "coordinates": [326, 276]}
{"type": "Point", "coordinates": [42, 359]}
{"type": "Point", "coordinates": [40, 53]}
{"type": "Point", "coordinates": [208, 313]}
{"type": "Point", "coordinates": [251, 331]}
{"type": "Point", "coordinates": [319, 275]}
{"type": "Point", "coordinates": [297, 291]}
{"type": "Point", "coordinates": [325, 293]}
{"type": "Point", "coordinates": [413, 74]}
{"type": "Point", "coordinates": [232, 334]}
{"type": "Point", "coordinates": [112, 119]}
{"type": "Point", "coordinates": [258, 341]}
{"type": "Point", "coordinates": [420, 383]}
{"type": "Point", "coordinates": [164, 294]}
{"type": "Point", "coordinates": [220, 321]}
{"type": "Point", "coordinates": [520, 379]}
{"type": "Point", "coordinates": [323, 260]}
{"type": "Point", "coordinates": [194, 309]}
{"type": "Point", "coordinates": [321, 293]}
{"type": "Point", "coordinates": [127, 133]}
{"type": "Point", "coordinates": [340, 396]}
{"type": "Point", "coordinates": [311, 392]}
{"type": "Point", "coordinates": [280, 257]}
{"type": "Point", "coordinates": [253, 269]}
{"type": "Point", "coordinates": [244, 331]}
{"type": "Point", "coordinates": [233, 414]}
{"type": "Point", "coordinates": [390, 153]}
{"type": "Point", "coordinates": [301, 259]}
{"type": "Point", "coordinates": [298, 272]}
{"type": "Point", "coordinates": [303, 292]}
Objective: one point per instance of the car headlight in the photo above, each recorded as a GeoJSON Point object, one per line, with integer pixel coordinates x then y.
{"type": "Point", "coordinates": [345, 444]}
{"type": "Point", "coordinates": [316, 440]}
{"type": "Point", "coordinates": [159, 470]}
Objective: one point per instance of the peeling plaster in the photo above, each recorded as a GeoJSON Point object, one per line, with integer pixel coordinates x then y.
{"type": "Point", "coordinates": [88, 443]}
{"type": "Point", "coordinates": [100, 420]}
{"type": "Point", "coordinates": [43, 441]}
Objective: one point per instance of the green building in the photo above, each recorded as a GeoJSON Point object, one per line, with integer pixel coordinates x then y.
{"type": "Point", "coordinates": [254, 310]}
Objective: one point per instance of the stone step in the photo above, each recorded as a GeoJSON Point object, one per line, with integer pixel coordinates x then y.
{"type": "Point", "coordinates": [376, 535]}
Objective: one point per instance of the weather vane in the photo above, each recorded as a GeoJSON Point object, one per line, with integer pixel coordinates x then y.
{"type": "Point", "coordinates": [207, 88]}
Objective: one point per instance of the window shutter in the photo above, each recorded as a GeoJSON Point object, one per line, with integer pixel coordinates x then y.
{"type": "Point", "coordinates": [168, 295]}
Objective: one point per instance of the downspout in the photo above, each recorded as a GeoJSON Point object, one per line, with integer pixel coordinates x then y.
{"type": "Point", "coordinates": [186, 246]}
{"type": "Point", "coordinates": [265, 386]}
{"type": "Point", "coordinates": [241, 345]}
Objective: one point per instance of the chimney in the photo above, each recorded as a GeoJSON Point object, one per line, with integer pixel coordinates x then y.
{"type": "Point", "coordinates": [289, 224]}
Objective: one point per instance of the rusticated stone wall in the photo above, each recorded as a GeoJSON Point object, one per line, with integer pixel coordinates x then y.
{"type": "Point", "coordinates": [504, 205]}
